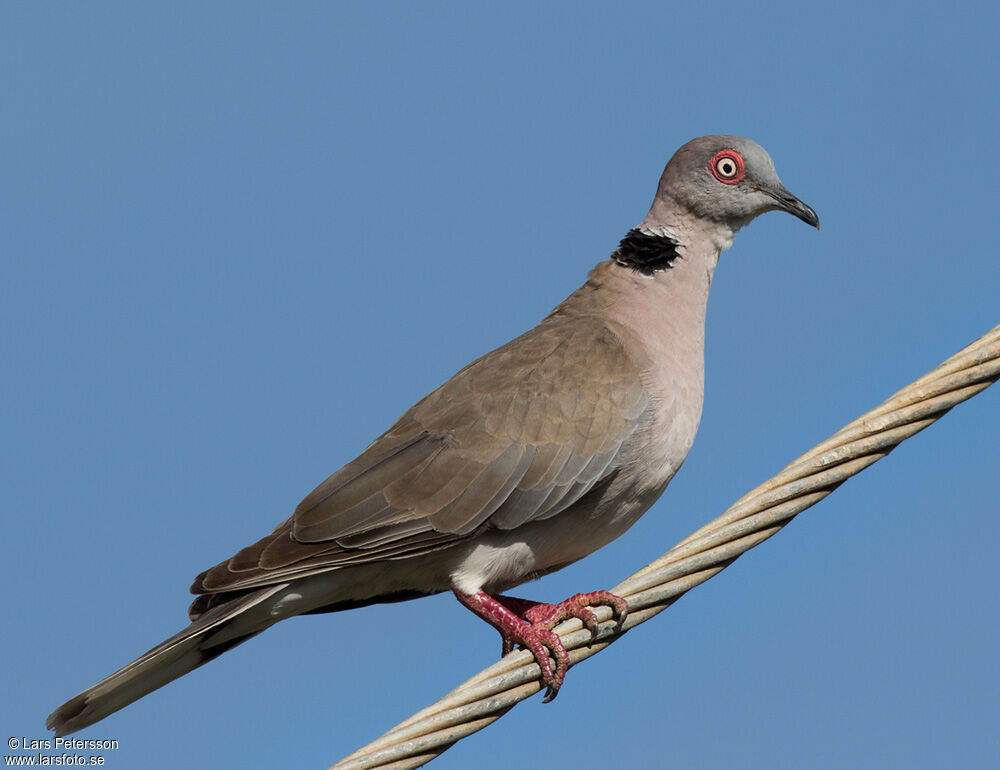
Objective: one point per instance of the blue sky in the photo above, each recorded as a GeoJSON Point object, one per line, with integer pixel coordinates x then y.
{"type": "Point", "coordinates": [239, 240]}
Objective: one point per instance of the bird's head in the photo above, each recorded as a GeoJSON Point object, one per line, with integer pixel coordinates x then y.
{"type": "Point", "coordinates": [729, 180]}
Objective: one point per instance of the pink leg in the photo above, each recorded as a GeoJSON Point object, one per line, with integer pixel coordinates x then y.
{"type": "Point", "coordinates": [530, 624]}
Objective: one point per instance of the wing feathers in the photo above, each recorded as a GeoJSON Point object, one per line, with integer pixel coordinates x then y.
{"type": "Point", "coordinates": [367, 475]}
{"type": "Point", "coordinates": [485, 494]}
{"type": "Point", "coordinates": [550, 459]}
{"type": "Point", "coordinates": [520, 434]}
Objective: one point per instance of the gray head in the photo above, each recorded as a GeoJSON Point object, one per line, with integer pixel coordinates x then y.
{"type": "Point", "coordinates": [724, 179]}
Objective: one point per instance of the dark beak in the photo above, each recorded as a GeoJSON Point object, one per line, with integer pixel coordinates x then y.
{"type": "Point", "coordinates": [788, 202]}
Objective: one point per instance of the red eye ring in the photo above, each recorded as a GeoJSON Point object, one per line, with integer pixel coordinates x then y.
{"type": "Point", "coordinates": [727, 166]}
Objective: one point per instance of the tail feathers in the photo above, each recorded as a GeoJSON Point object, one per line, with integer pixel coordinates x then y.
{"type": "Point", "coordinates": [219, 629]}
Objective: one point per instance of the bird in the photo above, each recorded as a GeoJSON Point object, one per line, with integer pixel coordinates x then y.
{"type": "Point", "coordinates": [528, 459]}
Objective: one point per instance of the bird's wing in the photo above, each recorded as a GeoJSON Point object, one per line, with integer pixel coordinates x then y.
{"type": "Point", "coordinates": [517, 435]}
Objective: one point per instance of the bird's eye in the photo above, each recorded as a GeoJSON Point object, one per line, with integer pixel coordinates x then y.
{"type": "Point", "coordinates": [727, 166]}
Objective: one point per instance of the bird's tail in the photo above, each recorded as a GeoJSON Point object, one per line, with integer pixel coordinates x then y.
{"type": "Point", "coordinates": [219, 629]}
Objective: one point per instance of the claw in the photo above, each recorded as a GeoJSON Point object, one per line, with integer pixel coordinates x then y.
{"type": "Point", "coordinates": [530, 624]}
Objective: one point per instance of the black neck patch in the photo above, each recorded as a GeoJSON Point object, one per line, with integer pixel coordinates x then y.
{"type": "Point", "coordinates": [646, 253]}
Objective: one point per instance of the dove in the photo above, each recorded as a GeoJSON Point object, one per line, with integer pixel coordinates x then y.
{"type": "Point", "coordinates": [525, 461]}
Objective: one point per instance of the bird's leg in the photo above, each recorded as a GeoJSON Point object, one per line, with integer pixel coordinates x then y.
{"type": "Point", "coordinates": [515, 630]}
{"type": "Point", "coordinates": [530, 624]}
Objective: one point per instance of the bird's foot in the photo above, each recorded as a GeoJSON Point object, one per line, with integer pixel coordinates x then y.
{"type": "Point", "coordinates": [548, 616]}
{"type": "Point", "coordinates": [529, 624]}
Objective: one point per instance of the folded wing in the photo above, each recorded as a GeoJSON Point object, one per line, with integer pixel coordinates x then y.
{"type": "Point", "coordinates": [517, 435]}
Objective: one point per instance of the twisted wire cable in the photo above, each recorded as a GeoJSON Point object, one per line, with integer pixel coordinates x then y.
{"type": "Point", "coordinates": [751, 520]}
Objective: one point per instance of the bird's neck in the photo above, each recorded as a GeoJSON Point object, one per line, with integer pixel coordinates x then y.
{"type": "Point", "coordinates": [673, 219]}
{"type": "Point", "coordinates": [668, 291]}
{"type": "Point", "coordinates": [671, 255]}
{"type": "Point", "coordinates": [658, 312]}
{"type": "Point", "coordinates": [657, 280]}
